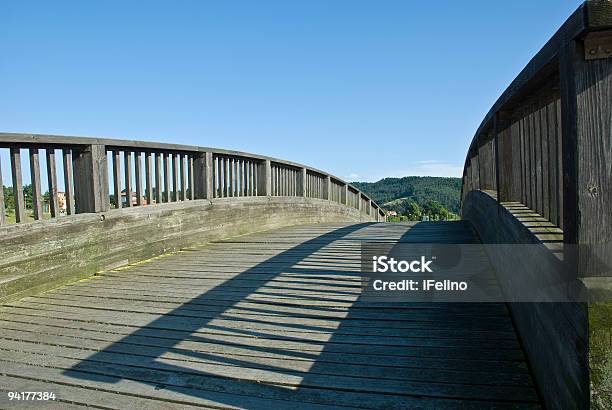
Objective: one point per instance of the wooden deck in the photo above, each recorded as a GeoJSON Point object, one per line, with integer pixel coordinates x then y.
{"type": "Point", "coordinates": [268, 321]}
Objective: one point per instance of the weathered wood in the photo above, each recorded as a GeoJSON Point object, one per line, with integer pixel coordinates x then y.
{"type": "Point", "coordinates": [90, 179]}
{"type": "Point", "coordinates": [243, 336]}
{"type": "Point", "coordinates": [148, 178]}
{"type": "Point", "coordinates": [183, 172]}
{"type": "Point", "coordinates": [264, 177]}
{"type": "Point", "coordinates": [226, 177]}
{"type": "Point", "coordinates": [158, 178]}
{"type": "Point", "coordinates": [167, 177]}
{"type": "Point", "coordinates": [175, 177]}
{"type": "Point", "coordinates": [20, 215]}
{"type": "Point", "coordinates": [138, 176]}
{"type": "Point", "coordinates": [569, 56]}
{"type": "Point", "coordinates": [68, 180]}
{"type": "Point", "coordinates": [127, 168]}
{"type": "Point", "coordinates": [117, 179]}
{"type": "Point", "coordinates": [52, 182]}
{"type": "Point", "coordinates": [37, 197]}
{"type": "Point", "coordinates": [190, 176]}
{"type": "Point", "coordinates": [2, 208]}
{"type": "Point", "coordinates": [204, 179]}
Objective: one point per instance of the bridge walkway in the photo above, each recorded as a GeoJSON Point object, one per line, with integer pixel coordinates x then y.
{"type": "Point", "coordinates": [270, 320]}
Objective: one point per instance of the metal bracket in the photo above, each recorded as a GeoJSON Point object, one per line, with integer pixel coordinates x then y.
{"type": "Point", "coordinates": [598, 45]}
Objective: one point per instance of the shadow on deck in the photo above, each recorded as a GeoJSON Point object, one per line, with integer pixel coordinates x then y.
{"type": "Point", "coordinates": [291, 331]}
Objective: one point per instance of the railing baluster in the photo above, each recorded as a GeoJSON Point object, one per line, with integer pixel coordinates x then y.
{"type": "Point", "coordinates": [127, 157]}
{"type": "Point", "coordinates": [148, 179]}
{"type": "Point", "coordinates": [37, 198]}
{"type": "Point", "coordinates": [175, 177]}
{"type": "Point", "coordinates": [190, 174]}
{"type": "Point", "coordinates": [117, 179]}
{"type": "Point", "coordinates": [2, 208]}
{"type": "Point", "coordinates": [226, 177]}
{"type": "Point", "coordinates": [52, 182]}
{"type": "Point", "coordinates": [183, 177]}
{"type": "Point", "coordinates": [167, 177]}
{"type": "Point", "coordinates": [17, 185]}
{"type": "Point", "coordinates": [158, 178]}
{"type": "Point", "coordinates": [138, 175]}
{"type": "Point", "coordinates": [68, 181]}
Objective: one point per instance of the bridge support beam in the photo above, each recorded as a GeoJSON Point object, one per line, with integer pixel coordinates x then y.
{"type": "Point", "coordinates": [91, 179]}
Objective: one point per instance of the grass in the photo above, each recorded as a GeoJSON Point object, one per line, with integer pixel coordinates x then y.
{"type": "Point", "coordinates": [10, 216]}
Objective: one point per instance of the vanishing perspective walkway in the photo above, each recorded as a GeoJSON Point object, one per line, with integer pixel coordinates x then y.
{"type": "Point", "coordinates": [269, 320]}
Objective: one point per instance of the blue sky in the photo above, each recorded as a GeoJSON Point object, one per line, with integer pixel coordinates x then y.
{"type": "Point", "coordinates": [362, 89]}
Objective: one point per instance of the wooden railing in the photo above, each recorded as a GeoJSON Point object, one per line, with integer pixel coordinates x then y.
{"type": "Point", "coordinates": [546, 142]}
{"type": "Point", "coordinates": [104, 174]}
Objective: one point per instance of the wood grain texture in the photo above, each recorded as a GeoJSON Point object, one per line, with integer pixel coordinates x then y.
{"type": "Point", "coordinates": [268, 320]}
{"type": "Point", "coordinates": [52, 183]}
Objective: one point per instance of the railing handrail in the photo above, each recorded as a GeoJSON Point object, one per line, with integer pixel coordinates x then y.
{"type": "Point", "coordinates": [527, 146]}
{"type": "Point", "coordinates": [42, 140]}
{"type": "Point", "coordinates": [234, 172]}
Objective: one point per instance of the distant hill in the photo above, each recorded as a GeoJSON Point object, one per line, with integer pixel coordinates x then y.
{"type": "Point", "coordinates": [397, 193]}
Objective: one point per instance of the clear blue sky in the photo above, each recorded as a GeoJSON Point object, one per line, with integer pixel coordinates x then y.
{"type": "Point", "coordinates": [362, 89]}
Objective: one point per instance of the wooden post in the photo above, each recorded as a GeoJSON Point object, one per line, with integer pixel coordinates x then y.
{"type": "Point", "coordinates": [344, 195]}
{"type": "Point", "coordinates": [265, 178]}
{"type": "Point", "coordinates": [17, 185]}
{"type": "Point", "coordinates": [37, 198]}
{"type": "Point", "coordinates": [203, 175]}
{"type": "Point", "coordinates": [302, 182]}
{"type": "Point", "coordinates": [327, 187]}
{"type": "Point", "coordinates": [117, 178]}
{"type": "Point", "coordinates": [90, 179]}
{"type": "Point", "coordinates": [52, 181]}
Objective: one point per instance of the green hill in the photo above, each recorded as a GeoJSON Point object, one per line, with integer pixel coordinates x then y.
{"type": "Point", "coordinates": [397, 193]}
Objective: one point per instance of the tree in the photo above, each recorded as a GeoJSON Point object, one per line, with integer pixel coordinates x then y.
{"type": "Point", "coordinates": [413, 212]}
{"type": "Point", "coordinates": [435, 210]}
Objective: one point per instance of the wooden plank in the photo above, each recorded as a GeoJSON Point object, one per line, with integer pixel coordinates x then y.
{"type": "Point", "coordinates": [37, 197]}
{"type": "Point", "coordinates": [546, 166]}
{"type": "Point", "coordinates": [68, 180]}
{"type": "Point", "coordinates": [52, 182]}
{"type": "Point", "coordinates": [117, 179]}
{"type": "Point", "coordinates": [138, 176]}
{"type": "Point", "coordinates": [20, 215]}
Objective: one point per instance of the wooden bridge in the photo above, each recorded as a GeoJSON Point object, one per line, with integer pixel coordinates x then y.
{"type": "Point", "coordinates": [172, 276]}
